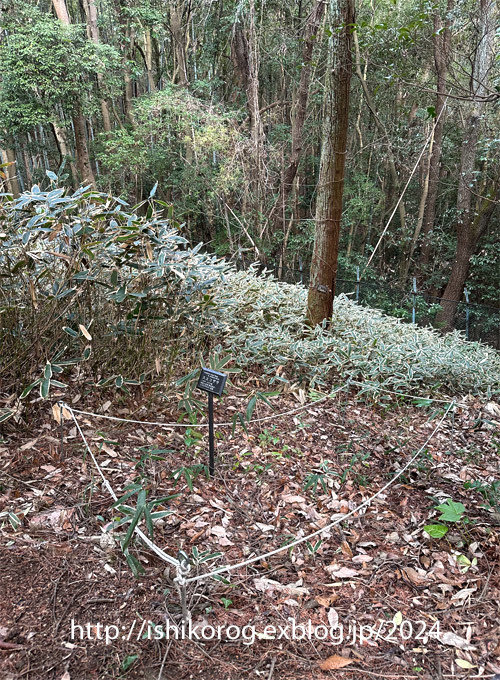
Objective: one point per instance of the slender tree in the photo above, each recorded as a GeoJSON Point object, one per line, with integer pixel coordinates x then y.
{"type": "Point", "coordinates": [441, 40]}
{"type": "Point", "coordinates": [332, 164]}
{"type": "Point", "coordinates": [79, 128]}
{"type": "Point", "coordinates": [299, 116]}
{"type": "Point", "coordinates": [472, 215]}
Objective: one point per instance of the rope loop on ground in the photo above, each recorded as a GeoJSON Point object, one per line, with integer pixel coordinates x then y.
{"type": "Point", "coordinates": [361, 506]}
{"type": "Point", "coordinates": [145, 539]}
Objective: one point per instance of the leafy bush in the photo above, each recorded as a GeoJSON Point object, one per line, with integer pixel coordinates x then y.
{"type": "Point", "coordinates": [85, 277]}
{"type": "Point", "coordinates": [266, 326]}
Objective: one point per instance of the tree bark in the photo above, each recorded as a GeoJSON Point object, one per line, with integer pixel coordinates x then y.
{"type": "Point", "coordinates": [255, 119]}
{"type": "Point", "coordinates": [148, 54]}
{"type": "Point", "coordinates": [179, 44]}
{"type": "Point", "coordinates": [299, 116]}
{"type": "Point", "coordinates": [61, 11]}
{"type": "Point", "coordinates": [93, 33]}
{"type": "Point", "coordinates": [471, 224]}
{"type": "Point", "coordinates": [8, 155]}
{"type": "Point", "coordinates": [441, 41]}
{"type": "Point", "coordinates": [82, 152]}
{"type": "Point", "coordinates": [64, 151]}
{"type": "Point", "coordinates": [332, 164]}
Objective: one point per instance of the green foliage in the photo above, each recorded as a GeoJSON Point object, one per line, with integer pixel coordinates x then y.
{"type": "Point", "coordinates": [132, 515]}
{"type": "Point", "coordinates": [451, 511]}
{"type": "Point", "coordinates": [436, 530]}
{"type": "Point", "coordinates": [190, 473]}
{"type": "Point", "coordinates": [86, 277]}
{"type": "Point", "coordinates": [188, 146]}
{"type": "Point", "coordinates": [490, 491]}
{"type": "Point", "coordinates": [319, 476]}
{"type": "Point", "coordinates": [264, 324]}
{"type": "Point", "coordinates": [44, 65]}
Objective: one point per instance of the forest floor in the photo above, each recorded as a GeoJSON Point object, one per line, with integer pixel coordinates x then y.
{"type": "Point", "coordinates": [402, 604]}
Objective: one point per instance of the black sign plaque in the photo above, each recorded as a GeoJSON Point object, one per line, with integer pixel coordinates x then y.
{"type": "Point", "coordinates": [211, 381]}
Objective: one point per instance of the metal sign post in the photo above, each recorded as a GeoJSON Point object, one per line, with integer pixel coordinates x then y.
{"type": "Point", "coordinates": [212, 382]}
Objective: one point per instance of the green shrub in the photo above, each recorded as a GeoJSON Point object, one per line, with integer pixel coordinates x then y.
{"type": "Point", "coordinates": [266, 326]}
{"type": "Point", "coordinates": [86, 277]}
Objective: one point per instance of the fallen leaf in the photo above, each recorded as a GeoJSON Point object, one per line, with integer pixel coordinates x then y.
{"type": "Point", "coordinates": [29, 445]}
{"type": "Point", "coordinates": [362, 558]}
{"type": "Point", "coordinates": [459, 598]}
{"type": "Point", "coordinates": [267, 584]}
{"type": "Point", "coordinates": [464, 664]}
{"type": "Point", "coordinates": [326, 601]}
{"type": "Point", "coordinates": [343, 572]}
{"type": "Point", "coordinates": [333, 618]}
{"type": "Point", "coordinates": [397, 618]}
{"type": "Point", "coordinates": [56, 519]}
{"type": "Point", "coordinates": [84, 332]}
{"type": "Point", "coordinates": [454, 640]}
{"type": "Point", "coordinates": [107, 449]}
{"type": "Point", "coordinates": [414, 576]}
{"type": "Point", "coordinates": [346, 548]}
{"type": "Point", "coordinates": [334, 662]}
{"type": "Point", "coordinates": [289, 498]}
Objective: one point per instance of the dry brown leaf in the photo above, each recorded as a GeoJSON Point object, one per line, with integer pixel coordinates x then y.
{"type": "Point", "coordinates": [107, 449]}
{"type": "Point", "coordinates": [414, 577]}
{"type": "Point", "coordinates": [343, 572]}
{"type": "Point", "coordinates": [290, 498]}
{"type": "Point", "coordinates": [326, 601]}
{"type": "Point", "coordinates": [346, 548]}
{"type": "Point", "coordinates": [334, 662]}
{"type": "Point", "coordinates": [84, 332]}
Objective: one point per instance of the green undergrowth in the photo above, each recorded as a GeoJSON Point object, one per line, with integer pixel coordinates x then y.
{"type": "Point", "coordinates": [95, 291]}
{"type": "Point", "coordinates": [265, 326]}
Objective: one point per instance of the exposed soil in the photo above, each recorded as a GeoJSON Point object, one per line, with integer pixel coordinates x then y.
{"type": "Point", "coordinates": [377, 570]}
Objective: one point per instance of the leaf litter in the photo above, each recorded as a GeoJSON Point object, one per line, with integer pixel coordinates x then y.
{"type": "Point", "coordinates": [376, 570]}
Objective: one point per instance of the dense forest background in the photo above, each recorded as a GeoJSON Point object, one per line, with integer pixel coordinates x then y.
{"type": "Point", "coordinates": [219, 108]}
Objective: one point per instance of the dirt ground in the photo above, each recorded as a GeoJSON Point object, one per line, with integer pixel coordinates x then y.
{"type": "Point", "coordinates": [403, 604]}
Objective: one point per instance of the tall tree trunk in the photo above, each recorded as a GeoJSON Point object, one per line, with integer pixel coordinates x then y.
{"type": "Point", "coordinates": [93, 33]}
{"type": "Point", "coordinates": [332, 164]}
{"type": "Point", "coordinates": [82, 152]}
{"type": "Point", "coordinates": [179, 43]}
{"type": "Point", "coordinates": [64, 151]}
{"type": "Point", "coordinates": [148, 57]}
{"type": "Point", "coordinates": [468, 236]}
{"type": "Point", "coordinates": [469, 226]}
{"type": "Point", "coordinates": [61, 11]}
{"type": "Point", "coordinates": [255, 120]}
{"type": "Point", "coordinates": [407, 261]}
{"type": "Point", "coordinates": [127, 51]}
{"type": "Point", "coordinates": [8, 156]}
{"type": "Point", "coordinates": [441, 41]}
{"type": "Point", "coordinates": [299, 116]}
{"type": "Point", "coordinates": [395, 184]}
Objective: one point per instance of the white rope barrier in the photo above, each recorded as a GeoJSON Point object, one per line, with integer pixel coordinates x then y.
{"type": "Point", "coordinates": [228, 424]}
{"type": "Point", "coordinates": [296, 409]}
{"type": "Point", "coordinates": [158, 551]}
{"type": "Point", "coordinates": [366, 503]}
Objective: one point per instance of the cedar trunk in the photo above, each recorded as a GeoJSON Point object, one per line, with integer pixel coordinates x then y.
{"type": "Point", "coordinates": [472, 217]}
{"type": "Point", "coordinates": [332, 164]}
{"type": "Point", "coordinates": [82, 152]}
